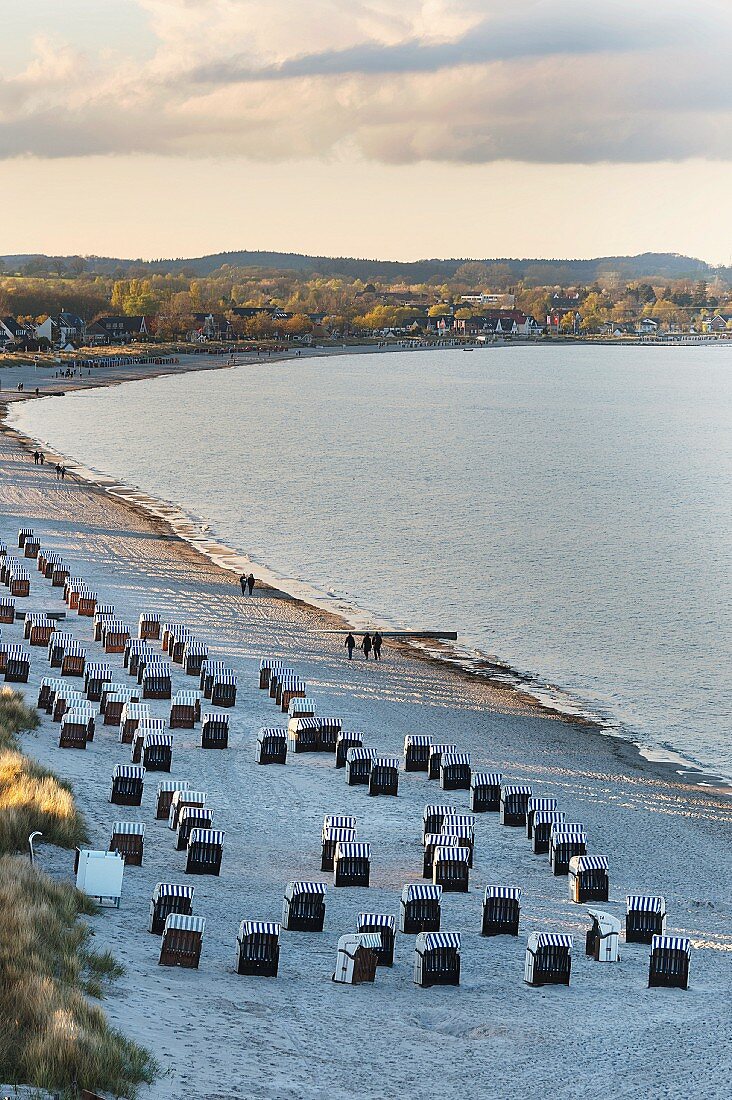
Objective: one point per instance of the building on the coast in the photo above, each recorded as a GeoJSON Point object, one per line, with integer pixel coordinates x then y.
{"type": "Point", "coordinates": [511, 322]}
{"type": "Point", "coordinates": [11, 332]}
{"type": "Point", "coordinates": [210, 326]}
{"type": "Point", "coordinates": [67, 328]}
{"type": "Point", "coordinates": [488, 298]}
{"type": "Point", "coordinates": [117, 330]}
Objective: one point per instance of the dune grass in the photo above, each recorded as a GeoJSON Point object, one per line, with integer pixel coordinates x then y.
{"type": "Point", "coordinates": [53, 1036]}
{"type": "Point", "coordinates": [30, 796]}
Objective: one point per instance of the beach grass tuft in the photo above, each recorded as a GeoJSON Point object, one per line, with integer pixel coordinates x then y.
{"type": "Point", "coordinates": [30, 796]}
{"type": "Point", "coordinates": [54, 1036]}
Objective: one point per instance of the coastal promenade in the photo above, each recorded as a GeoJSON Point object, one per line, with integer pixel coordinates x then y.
{"type": "Point", "coordinates": [219, 1036]}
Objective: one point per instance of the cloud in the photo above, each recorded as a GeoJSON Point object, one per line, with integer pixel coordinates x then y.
{"type": "Point", "coordinates": [457, 81]}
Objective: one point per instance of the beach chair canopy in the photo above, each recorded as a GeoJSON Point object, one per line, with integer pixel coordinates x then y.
{"type": "Point", "coordinates": [129, 828]}
{"type": "Point", "coordinates": [436, 941]}
{"type": "Point", "coordinates": [171, 890]}
{"type": "Point", "coordinates": [305, 887]}
{"type": "Point", "coordinates": [184, 923]}
{"type": "Point", "coordinates": [511, 893]}
{"type": "Point", "coordinates": [380, 920]}
{"type": "Point", "coordinates": [349, 849]}
{"type": "Point", "coordinates": [249, 928]}
{"type": "Point", "coordinates": [421, 891]}
{"type": "Point", "coordinates": [645, 903]}
{"type": "Point", "coordinates": [671, 943]}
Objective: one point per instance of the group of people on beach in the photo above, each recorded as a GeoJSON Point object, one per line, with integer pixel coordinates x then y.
{"type": "Point", "coordinates": [369, 642]}
{"type": "Point", "coordinates": [247, 584]}
{"type": "Point", "coordinates": [39, 459]}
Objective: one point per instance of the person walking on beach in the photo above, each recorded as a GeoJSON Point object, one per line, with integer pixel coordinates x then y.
{"type": "Point", "coordinates": [350, 646]}
{"type": "Point", "coordinates": [250, 583]}
{"type": "Point", "coordinates": [41, 458]}
{"type": "Point", "coordinates": [366, 645]}
{"type": "Point", "coordinates": [58, 472]}
{"type": "Point", "coordinates": [243, 583]}
{"type": "Point", "coordinates": [63, 472]}
{"type": "Point", "coordinates": [36, 456]}
{"type": "Point", "coordinates": [377, 640]}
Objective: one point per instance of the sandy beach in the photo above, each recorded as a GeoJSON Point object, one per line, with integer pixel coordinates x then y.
{"type": "Point", "coordinates": [219, 1036]}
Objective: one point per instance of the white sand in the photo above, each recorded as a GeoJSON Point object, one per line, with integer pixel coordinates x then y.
{"type": "Point", "coordinates": [220, 1036]}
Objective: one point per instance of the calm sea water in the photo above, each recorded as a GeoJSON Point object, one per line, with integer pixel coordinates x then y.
{"type": "Point", "coordinates": [568, 510]}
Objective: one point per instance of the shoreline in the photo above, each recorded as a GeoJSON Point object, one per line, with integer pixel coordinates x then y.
{"type": "Point", "coordinates": [175, 523]}
{"type": "Point", "coordinates": [662, 834]}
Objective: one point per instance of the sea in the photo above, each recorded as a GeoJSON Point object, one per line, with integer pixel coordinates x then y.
{"type": "Point", "coordinates": [566, 510]}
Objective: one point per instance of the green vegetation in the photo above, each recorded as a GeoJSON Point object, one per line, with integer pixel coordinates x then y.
{"type": "Point", "coordinates": [53, 1036]}
{"type": "Point", "coordinates": [351, 296]}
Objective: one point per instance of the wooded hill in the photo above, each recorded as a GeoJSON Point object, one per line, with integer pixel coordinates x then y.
{"type": "Point", "coordinates": [537, 272]}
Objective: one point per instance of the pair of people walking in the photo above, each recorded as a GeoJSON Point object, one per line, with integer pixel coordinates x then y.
{"type": "Point", "coordinates": [60, 472]}
{"type": "Point", "coordinates": [247, 584]}
{"type": "Point", "coordinates": [369, 643]}
{"type": "Point", "coordinates": [39, 458]}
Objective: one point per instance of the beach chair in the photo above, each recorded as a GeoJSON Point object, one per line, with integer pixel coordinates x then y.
{"type": "Point", "coordinates": [356, 958]}
{"type": "Point", "coordinates": [434, 759]}
{"type": "Point", "coordinates": [77, 727]}
{"type": "Point", "coordinates": [223, 689]}
{"type": "Point", "coordinates": [548, 959]}
{"type": "Point", "coordinates": [169, 897]}
{"type": "Point", "coordinates": [358, 766]}
{"type": "Point", "coordinates": [588, 879]}
{"type": "Point", "coordinates": [205, 849]}
{"type": "Point", "coordinates": [73, 661]}
{"type": "Point", "coordinates": [602, 941]}
{"type": "Point", "coordinates": [450, 869]}
{"type": "Point", "coordinates": [420, 909]}
{"type": "Point", "coordinates": [194, 654]}
{"type": "Point", "coordinates": [272, 746]}
{"type": "Point", "coordinates": [384, 775]}
{"type": "Point", "coordinates": [128, 838]}
{"type": "Point", "coordinates": [645, 917]}
{"type": "Point", "coordinates": [541, 828]}
{"type": "Point", "coordinates": [455, 771]}
{"type": "Point", "coordinates": [157, 752]}
{"type": "Point", "coordinates": [190, 818]}
{"type": "Point", "coordinates": [333, 835]}
{"type": "Point", "coordinates": [148, 629]}
{"type": "Point", "coordinates": [385, 925]}
{"type": "Point", "coordinates": [345, 740]}
{"type": "Point", "coordinates": [514, 804]}
{"type": "Point", "coordinates": [501, 911]}
{"type": "Point", "coordinates": [166, 790]}
{"type": "Point", "coordinates": [437, 959]}
{"type": "Point", "coordinates": [417, 752]}
{"type": "Point", "coordinates": [566, 840]}
{"type": "Point", "coordinates": [351, 863]}
{"type": "Point", "coordinates": [130, 717]}
{"type": "Point", "coordinates": [183, 796]}
{"type": "Point", "coordinates": [182, 941]}
{"type": "Point", "coordinates": [127, 785]}
{"type": "Point", "coordinates": [669, 962]}
{"type": "Point", "coordinates": [431, 842]}
{"type": "Point", "coordinates": [540, 805]}
{"type": "Point", "coordinates": [303, 907]}
{"type": "Point", "coordinates": [258, 948]}
{"type": "Point", "coordinates": [265, 667]}
{"type": "Point", "coordinates": [16, 664]}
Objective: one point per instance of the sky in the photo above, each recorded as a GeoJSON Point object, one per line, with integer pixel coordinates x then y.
{"type": "Point", "coordinates": [374, 128]}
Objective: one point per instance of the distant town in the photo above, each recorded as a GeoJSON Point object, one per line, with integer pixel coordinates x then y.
{"type": "Point", "coordinates": [72, 304]}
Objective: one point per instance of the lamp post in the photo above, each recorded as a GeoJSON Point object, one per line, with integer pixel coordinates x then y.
{"type": "Point", "coordinates": [31, 838]}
